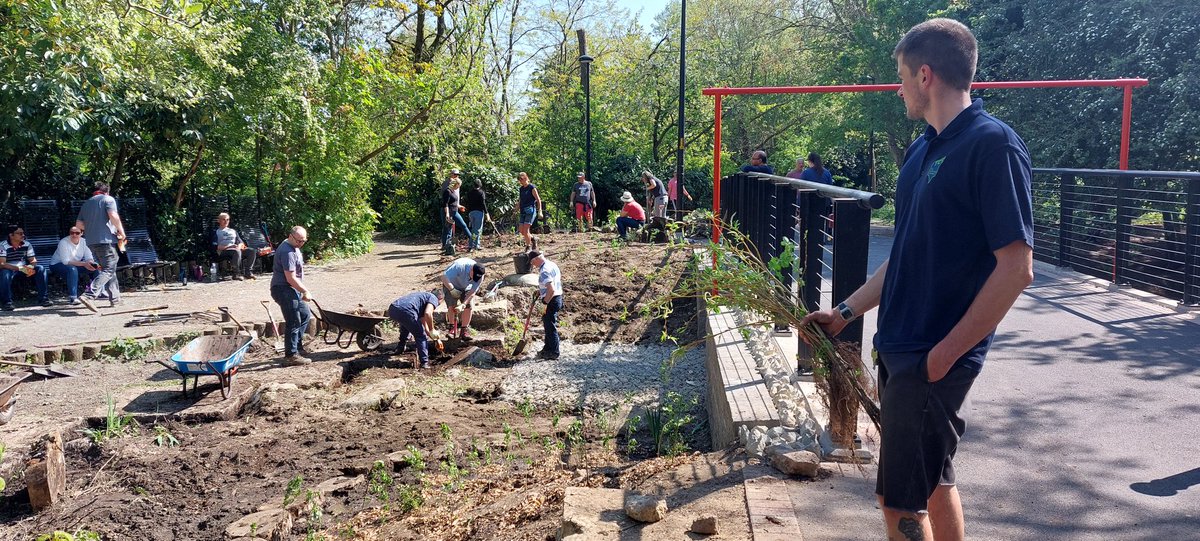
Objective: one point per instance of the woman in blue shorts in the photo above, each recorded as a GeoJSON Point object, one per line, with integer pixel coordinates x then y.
{"type": "Point", "coordinates": [530, 204]}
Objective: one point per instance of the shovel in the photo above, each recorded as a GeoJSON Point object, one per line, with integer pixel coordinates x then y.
{"type": "Point", "coordinates": [52, 370]}
{"type": "Point", "coordinates": [225, 310]}
{"type": "Point", "coordinates": [274, 328]}
{"type": "Point", "coordinates": [523, 342]}
{"type": "Point", "coordinates": [496, 231]}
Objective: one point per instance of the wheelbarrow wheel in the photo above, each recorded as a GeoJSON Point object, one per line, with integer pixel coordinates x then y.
{"type": "Point", "coordinates": [369, 342]}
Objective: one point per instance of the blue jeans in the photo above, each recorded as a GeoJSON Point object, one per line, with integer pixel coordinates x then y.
{"type": "Point", "coordinates": [625, 223]}
{"type": "Point", "coordinates": [550, 324]}
{"type": "Point", "coordinates": [106, 256]}
{"type": "Point", "coordinates": [6, 279]}
{"type": "Point", "coordinates": [296, 316]}
{"type": "Point", "coordinates": [448, 229]}
{"type": "Point", "coordinates": [409, 325]}
{"type": "Point", "coordinates": [70, 274]}
{"type": "Point", "coordinates": [476, 230]}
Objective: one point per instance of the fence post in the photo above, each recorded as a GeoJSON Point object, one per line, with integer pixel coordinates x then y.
{"type": "Point", "coordinates": [1124, 221]}
{"type": "Point", "coordinates": [785, 223]}
{"type": "Point", "coordinates": [808, 242]}
{"type": "Point", "coordinates": [851, 241]}
{"type": "Point", "coordinates": [1066, 212]}
{"type": "Point", "coordinates": [1191, 229]}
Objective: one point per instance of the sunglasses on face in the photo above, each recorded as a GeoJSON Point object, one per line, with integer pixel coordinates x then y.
{"type": "Point", "coordinates": [76, 233]}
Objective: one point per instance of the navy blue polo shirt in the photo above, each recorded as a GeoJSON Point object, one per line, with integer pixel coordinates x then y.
{"type": "Point", "coordinates": [961, 195]}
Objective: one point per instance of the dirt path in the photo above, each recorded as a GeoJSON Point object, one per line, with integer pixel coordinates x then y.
{"type": "Point", "coordinates": [443, 456]}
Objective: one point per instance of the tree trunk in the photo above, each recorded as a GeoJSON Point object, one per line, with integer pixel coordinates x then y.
{"type": "Point", "coordinates": [183, 182]}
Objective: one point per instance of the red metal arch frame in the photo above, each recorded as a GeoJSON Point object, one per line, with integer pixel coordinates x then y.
{"type": "Point", "coordinates": [1126, 112]}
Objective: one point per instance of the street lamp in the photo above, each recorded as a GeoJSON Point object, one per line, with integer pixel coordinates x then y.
{"type": "Point", "coordinates": [585, 65]}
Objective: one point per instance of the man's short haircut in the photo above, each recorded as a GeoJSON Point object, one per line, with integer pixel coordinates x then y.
{"type": "Point", "coordinates": [478, 184]}
{"type": "Point", "coordinates": [101, 186]}
{"type": "Point", "coordinates": [477, 271]}
{"type": "Point", "coordinates": [223, 215]}
{"type": "Point", "coordinates": [437, 292]}
{"type": "Point", "coordinates": [947, 46]}
{"type": "Point", "coordinates": [297, 229]}
{"type": "Point", "coordinates": [761, 155]}
{"type": "Point", "coordinates": [10, 229]}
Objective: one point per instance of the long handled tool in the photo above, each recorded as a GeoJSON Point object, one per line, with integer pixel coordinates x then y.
{"type": "Point", "coordinates": [496, 232]}
{"type": "Point", "coordinates": [52, 370]}
{"type": "Point", "coordinates": [225, 310]}
{"type": "Point", "coordinates": [274, 327]}
{"type": "Point", "coordinates": [523, 342]}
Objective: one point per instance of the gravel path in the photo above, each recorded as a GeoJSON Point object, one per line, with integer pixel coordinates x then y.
{"type": "Point", "coordinates": [603, 375]}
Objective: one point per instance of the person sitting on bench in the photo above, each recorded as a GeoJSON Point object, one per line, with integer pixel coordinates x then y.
{"type": "Point", "coordinates": [70, 258]}
{"type": "Point", "coordinates": [230, 247]}
{"type": "Point", "coordinates": [17, 259]}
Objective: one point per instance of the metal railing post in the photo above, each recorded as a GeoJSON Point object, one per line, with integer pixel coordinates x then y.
{"type": "Point", "coordinates": [852, 224]}
{"type": "Point", "coordinates": [784, 224]}
{"type": "Point", "coordinates": [1066, 212]}
{"type": "Point", "coordinates": [1123, 231]}
{"type": "Point", "coordinates": [1191, 230]}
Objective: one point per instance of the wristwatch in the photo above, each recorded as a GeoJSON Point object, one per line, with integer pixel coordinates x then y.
{"type": "Point", "coordinates": [845, 311]}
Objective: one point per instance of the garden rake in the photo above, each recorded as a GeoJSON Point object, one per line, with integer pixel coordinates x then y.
{"type": "Point", "coordinates": [274, 328]}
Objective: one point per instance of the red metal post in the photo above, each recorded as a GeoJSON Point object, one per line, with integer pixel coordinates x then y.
{"type": "Point", "coordinates": [716, 232]}
{"type": "Point", "coordinates": [1126, 121]}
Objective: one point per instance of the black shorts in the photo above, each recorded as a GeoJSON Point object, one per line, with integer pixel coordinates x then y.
{"type": "Point", "coordinates": [922, 424]}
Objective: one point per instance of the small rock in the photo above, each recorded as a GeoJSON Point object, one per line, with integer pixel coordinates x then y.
{"type": "Point", "coordinates": [645, 508]}
{"type": "Point", "coordinates": [705, 526]}
{"type": "Point", "coordinates": [274, 524]}
{"type": "Point", "coordinates": [339, 484]}
{"type": "Point", "coordinates": [377, 394]}
{"type": "Point", "coordinates": [454, 372]}
{"type": "Point", "coordinates": [803, 463]}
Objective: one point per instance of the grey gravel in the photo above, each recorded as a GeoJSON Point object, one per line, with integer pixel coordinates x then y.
{"type": "Point", "coordinates": [604, 375]}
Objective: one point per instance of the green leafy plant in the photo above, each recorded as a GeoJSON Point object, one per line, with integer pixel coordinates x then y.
{"type": "Point", "coordinates": [666, 423]}
{"type": "Point", "coordinates": [415, 459]}
{"type": "Point", "coordinates": [115, 425]}
{"type": "Point", "coordinates": [293, 490]}
{"type": "Point", "coordinates": [163, 437]}
{"type": "Point", "coordinates": [409, 498]}
{"type": "Point", "coordinates": [79, 535]}
{"type": "Point", "coordinates": [127, 349]}
{"type": "Point", "coordinates": [3, 483]}
{"type": "Point", "coordinates": [380, 481]}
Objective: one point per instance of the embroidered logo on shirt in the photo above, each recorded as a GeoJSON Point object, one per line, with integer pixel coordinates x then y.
{"type": "Point", "coordinates": [933, 169]}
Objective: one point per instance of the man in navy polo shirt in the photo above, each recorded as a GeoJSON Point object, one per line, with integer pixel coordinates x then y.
{"type": "Point", "coordinates": [961, 256]}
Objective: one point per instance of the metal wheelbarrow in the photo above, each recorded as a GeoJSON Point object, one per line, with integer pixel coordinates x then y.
{"type": "Point", "coordinates": [363, 330]}
{"type": "Point", "coordinates": [8, 394]}
{"type": "Point", "coordinates": [213, 355]}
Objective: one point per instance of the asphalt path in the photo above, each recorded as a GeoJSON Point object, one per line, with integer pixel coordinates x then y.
{"type": "Point", "coordinates": [1085, 422]}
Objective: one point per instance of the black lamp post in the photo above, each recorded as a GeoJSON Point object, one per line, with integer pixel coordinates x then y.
{"type": "Point", "coordinates": [585, 65]}
{"type": "Point", "coordinates": [682, 79]}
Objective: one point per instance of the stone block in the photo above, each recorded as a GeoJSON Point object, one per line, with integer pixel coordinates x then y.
{"type": "Point", "coordinates": [804, 463]}
{"type": "Point", "coordinates": [705, 526]}
{"type": "Point", "coordinates": [90, 351]}
{"type": "Point", "coordinates": [53, 355]}
{"type": "Point", "coordinates": [645, 508]}
{"type": "Point", "coordinates": [35, 357]}
{"type": "Point", "coordinates": [273, 524]}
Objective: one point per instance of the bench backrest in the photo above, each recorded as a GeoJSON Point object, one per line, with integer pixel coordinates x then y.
{"type": "Point", "coordinates": [40, 219]}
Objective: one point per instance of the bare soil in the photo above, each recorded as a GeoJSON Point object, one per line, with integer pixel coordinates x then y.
{"type": "Point", "coordinates": [447, 459]}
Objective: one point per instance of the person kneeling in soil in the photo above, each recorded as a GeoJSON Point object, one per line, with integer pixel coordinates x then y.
{"type": "Point", "coordinates": [414, 313]}
{"type": "Point", "coordinates": [460, 282]}
{"type": "Point", "coordinates": [633, 216]}
{"type": "Point", "coordinates": [550, 290]}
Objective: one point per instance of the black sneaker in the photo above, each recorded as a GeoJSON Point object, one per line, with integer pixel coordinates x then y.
{"type": "Point", "coordinates": [7, 307]}
{"type": "Point", "coordinates": [47, 302]}
{"type": "Point", "coordinates": [547, 355]}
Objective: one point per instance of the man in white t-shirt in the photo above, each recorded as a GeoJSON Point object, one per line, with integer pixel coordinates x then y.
{"type": "Point", "coordinates": [550, 291]}
{"type": "Point", "coordinates": [72, 257]}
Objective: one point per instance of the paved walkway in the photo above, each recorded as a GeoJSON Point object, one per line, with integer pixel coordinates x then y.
{"type": "Point", "coordinates": [1084, 424]}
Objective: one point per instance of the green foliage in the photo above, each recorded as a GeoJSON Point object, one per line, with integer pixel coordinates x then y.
{"type": "Point", "coordinates": [115, 425]}
{"type": "Point", "coordinates": [293, 490]}
{"type": "Point", "coordinates": [127, 349]}
{"type": "Point", "coordinates": [666, 422]}
{"type": "Point", "coordinates": [79, 535]}
{"type": "Point", "coordinates": [163, 437]}
{"type": "Point", "coordinates": [3, 483]}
